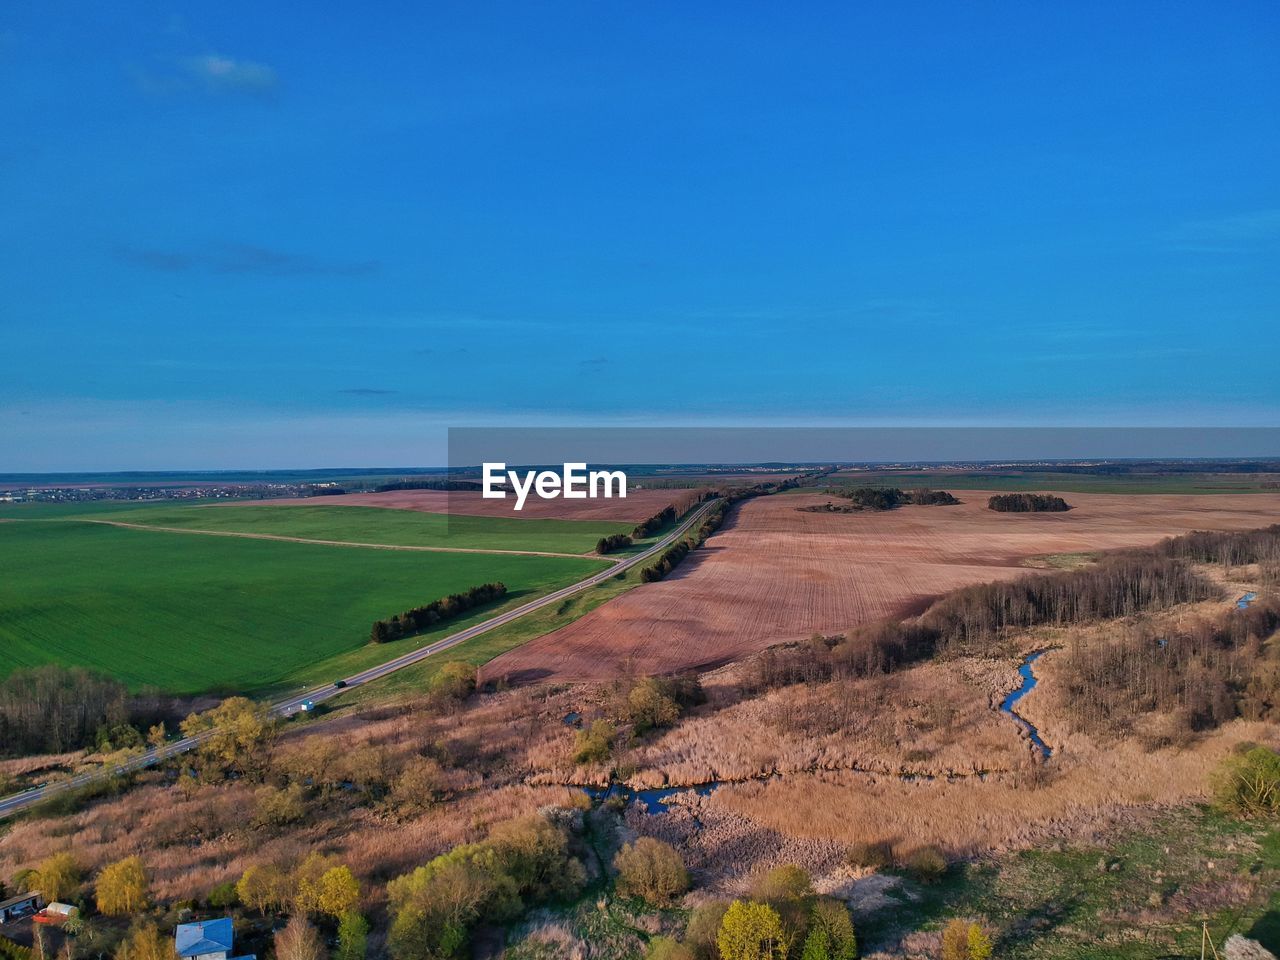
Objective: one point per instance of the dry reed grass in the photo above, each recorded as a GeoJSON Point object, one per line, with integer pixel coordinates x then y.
{"type": "Point", "coordinates": [932, 720]}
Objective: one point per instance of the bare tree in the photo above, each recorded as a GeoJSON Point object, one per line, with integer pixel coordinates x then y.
{"type": "Point", "coordinates": [299, 941]}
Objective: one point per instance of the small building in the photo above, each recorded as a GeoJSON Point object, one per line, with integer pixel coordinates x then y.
{"type": "Point", "coordinates": [56, 913]}
{"type": "Point", "coordinates": [206, 940]}
{"type": "Point", "coordinates": [19, 908]}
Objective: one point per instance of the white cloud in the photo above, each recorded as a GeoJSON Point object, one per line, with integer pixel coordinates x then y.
{"type": "Point", "coordinates": [220, 73]}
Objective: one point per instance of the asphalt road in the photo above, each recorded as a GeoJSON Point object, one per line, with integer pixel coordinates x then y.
{"type": "Point", "coordinates": [285, 708]}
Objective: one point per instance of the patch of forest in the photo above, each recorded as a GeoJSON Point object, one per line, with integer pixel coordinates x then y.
{"type": "Point", "coordinates": [1028, 503]}
{"type": "Point", "coordinates": [880, 498]}
{"type": "Point", "coordinates": [437, 611]}
{"type": "Point", "coordinates": [1201, 672]}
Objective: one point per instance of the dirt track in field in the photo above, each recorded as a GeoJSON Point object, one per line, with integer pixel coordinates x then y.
{"type": "Point", "coordinates": [775, 573]}
{"type": "Point", "coordinates": [636, 506]}
{"type": "Point", "coordinates": [339, 543]}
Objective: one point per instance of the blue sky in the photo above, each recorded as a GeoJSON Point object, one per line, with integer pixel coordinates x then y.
{"type": "Point", "coordinates": [298, 234]}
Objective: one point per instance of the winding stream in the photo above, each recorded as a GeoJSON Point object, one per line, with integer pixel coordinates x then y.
{"type": "Point", "coordinates": [654, 800]}
{"type": "Point", "coordinates": [1029, 682]}
{"type": "Point", "coordinates": [1248, 598]}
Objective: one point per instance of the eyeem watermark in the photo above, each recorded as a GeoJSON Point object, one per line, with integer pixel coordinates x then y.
{"type": "Point", "coordinates": [574, 482]}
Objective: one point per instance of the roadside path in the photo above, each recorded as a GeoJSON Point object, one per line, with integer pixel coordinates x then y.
{"type": "Point", "coordinates": [286, 708]}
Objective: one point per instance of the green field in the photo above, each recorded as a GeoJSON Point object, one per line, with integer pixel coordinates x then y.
{"type": "Point", "coordinates": [348, 524]}
{"type": "Point", "coordinates": [1032, 480]}
{"type": "Point", "coordinates": [191, 613]}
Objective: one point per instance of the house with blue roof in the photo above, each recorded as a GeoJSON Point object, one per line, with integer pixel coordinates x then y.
{"type": "Point", "coordinates": [206, 940]}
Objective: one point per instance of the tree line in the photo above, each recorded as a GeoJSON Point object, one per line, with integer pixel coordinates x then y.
{"type": "Point", "coordinates": [647, 528]}
{"type": "Point", "coordinates": [437, 611]}
{"type": "Point", "coordinates": [1230, 549]}
{"type": "Point", "coordinates": [615, 541]}
{"type": "Point", "coordinates": [1027, 503]}
{"type": "Point", "coordinates": [451, 485]}
{"type": "Point", "coordinates": [977, 620]}
{"type": "Point", "coordinates": [672, 556]}
{"type": "Point", "coordinates": [53, 709]}
{"type": "Point", "coordinates": [1201, 672]}
{"type": "Point", "coordinates": [676, 553]}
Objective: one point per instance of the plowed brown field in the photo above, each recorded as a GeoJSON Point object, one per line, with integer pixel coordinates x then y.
{"type": "Point", "coordinates": [775, 573]}
{"type": "Point", "coordinates": [636, 506]}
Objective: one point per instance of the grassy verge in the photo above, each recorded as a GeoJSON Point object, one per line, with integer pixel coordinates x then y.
{"type": "Point", "coordinates": [482, 649]}
{"type": "Point", "coordinates": [1140, 897]}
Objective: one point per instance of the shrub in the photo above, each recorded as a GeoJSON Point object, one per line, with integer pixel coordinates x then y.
{"type": "Point", "coordinates": [751, 931]}
{"type": "Point", "coordinates": [817, 945]}
{"type": "Point", "coordinates": [782, 884]}
{"type": "Point", "coordinates": [927, 864]}
{"type": "Point", "coordinates": [456, 680]}
{"type": "Point", "coordinates": [703, 926]}
{"type": "Point", "coordinates": [651, 870]}
{"type": "Point", "coordinates": [649, 706]}
{"type": "Point", "coordinates": [338, 892]}
{"type": "Point", "coordinates": [789, 891]}
{"type": "Point", "coordinates": [420, 784]}
{"type": "Point", "coordinates": [277, 808]}
{"type": "Point", "coordinates": [594, 744]}
{"type": "Point", "coordinates": [869, 855]}
{"type": "Point", "coordinates": [962, 940]}
{"type": "Point", "coordinates": [534, 852]}
{"type": "Point", "coordinates": [223, 896]}
{"type": "Point", "coordinates": [1248, 783]}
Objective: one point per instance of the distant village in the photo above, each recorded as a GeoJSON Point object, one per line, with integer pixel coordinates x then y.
{"type": "Point", "coordinates": [238, 491]}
